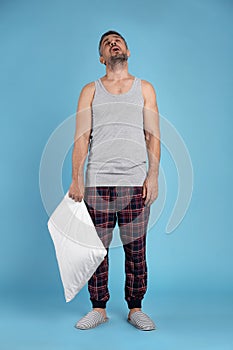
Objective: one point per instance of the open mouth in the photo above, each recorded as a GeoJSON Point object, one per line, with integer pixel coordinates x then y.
{"type": "Point", "coordinates": [115, 49]}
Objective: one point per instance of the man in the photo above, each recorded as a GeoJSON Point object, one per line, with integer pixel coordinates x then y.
{"type": "Point", "coordinates": [118, 118]}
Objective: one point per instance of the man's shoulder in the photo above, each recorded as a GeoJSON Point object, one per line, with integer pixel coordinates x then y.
{"type": "Point", "coordinates": [147, 85]}
{"type": "Point", "coordinates": [89, 86]}
{"type": "Point", "coordinates": [88, 91]}
{"type": "Point", "coordinates": [147, 88]}
{"type": "Point", "coordinates": [86, 96]}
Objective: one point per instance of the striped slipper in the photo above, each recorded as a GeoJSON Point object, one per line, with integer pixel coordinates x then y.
{"type": "Point", "coordinates": [141, 321]}
{"type": "Point", "coordinates": [91, 320]}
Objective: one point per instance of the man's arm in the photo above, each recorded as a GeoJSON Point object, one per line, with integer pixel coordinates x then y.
{"type": "Point", "coordinates": [152, 137]}
{"type": "Point", "coordinates": [81, 141]}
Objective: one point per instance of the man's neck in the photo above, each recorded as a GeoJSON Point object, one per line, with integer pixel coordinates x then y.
{"type": "Point", "coordinates": [117, 73]}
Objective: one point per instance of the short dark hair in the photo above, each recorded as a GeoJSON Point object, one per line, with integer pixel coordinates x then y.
{"type": "Point", "coordinates": [109, 33]}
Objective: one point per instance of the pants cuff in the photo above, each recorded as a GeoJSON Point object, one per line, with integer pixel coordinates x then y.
{"type": "Point", "coordinates": [134, 303]}
{"type": "Point", "coordinates": [100, 304]}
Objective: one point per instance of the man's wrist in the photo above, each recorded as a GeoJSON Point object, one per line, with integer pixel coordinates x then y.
{"type": "Point", "coordinates": [77, 177]}
{"type": "Point", "coordinates": [153, 171]}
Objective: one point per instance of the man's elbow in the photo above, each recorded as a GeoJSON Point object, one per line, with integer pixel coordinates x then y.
{"type": "Point", "coordinates": [151, 136]}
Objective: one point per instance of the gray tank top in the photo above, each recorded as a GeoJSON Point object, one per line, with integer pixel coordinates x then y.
{"type": "Point", "coordinates": [117, 150]}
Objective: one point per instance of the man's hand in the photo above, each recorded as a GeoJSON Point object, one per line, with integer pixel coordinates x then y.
{"type": "Point", "coordinates": [150, 189]}
{"type": "Point", "coordinates": [76, 191]}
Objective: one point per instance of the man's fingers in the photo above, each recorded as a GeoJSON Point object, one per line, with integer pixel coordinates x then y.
{"type": "Point", "coordinates": [78, 198]}
{"type": "Point", "coordinates": [144, 191]}
{"type": "Point", "coordinates": [148, 196]}
{"type": "Point", "coordinates": [152, 198]}
{"type": "Point", "coordinates": [149, 193]}
{"type": "Point", "coordinates": [75, 197]}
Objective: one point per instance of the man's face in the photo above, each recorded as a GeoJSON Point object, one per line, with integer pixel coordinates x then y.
{"type": "Point", "coordinates": [113, 47]}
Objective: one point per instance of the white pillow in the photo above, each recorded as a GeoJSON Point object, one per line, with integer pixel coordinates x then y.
{"type": "Point", "coordinates": [79, 250]}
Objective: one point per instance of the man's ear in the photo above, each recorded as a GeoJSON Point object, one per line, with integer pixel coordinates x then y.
{"type": "Point", "coordinates": [102, 60]}
{"type": "Point", "coordinates": [128, 53]}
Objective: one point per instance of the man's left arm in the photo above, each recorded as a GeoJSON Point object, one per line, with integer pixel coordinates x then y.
{"type": "Point", "coordinates": [152, 137]}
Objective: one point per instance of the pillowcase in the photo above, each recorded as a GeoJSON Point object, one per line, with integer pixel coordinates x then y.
{"type": "Point", "coordinates": [79, 250]}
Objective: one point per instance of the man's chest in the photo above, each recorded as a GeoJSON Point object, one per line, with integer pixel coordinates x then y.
{"type": "Point", "coordinates": [119, 87]}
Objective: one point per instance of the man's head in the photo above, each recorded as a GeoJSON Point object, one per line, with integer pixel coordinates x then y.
{"type": "Point", "coordinates": [113, 48]}
{"type": "Point", "coordinates": [111, 32]}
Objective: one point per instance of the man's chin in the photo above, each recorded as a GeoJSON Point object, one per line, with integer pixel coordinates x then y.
{"type": "Point", "coordinates": [117, 58]}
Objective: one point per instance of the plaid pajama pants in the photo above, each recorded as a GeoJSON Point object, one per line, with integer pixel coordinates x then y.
{"type": "Point", "coordinates": [125, 205]}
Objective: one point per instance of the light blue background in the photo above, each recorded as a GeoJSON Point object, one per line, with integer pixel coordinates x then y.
{"type": "Point", "coordinates": [48, 52]}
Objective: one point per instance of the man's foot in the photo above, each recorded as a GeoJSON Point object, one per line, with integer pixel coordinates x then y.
{"type": "Point", "coordinates": [141, 321]}
{"type": "Point", "coordinates": [93, 319]}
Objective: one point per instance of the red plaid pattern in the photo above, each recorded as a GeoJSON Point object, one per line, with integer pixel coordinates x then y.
{"type": "Point", "coordinates": [125, 205]}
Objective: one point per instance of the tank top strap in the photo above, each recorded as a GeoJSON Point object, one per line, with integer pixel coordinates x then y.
{"type": "Point", "coordinates": [133, 95]}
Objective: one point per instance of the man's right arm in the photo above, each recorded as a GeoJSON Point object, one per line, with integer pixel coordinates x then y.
{"type": "Point", "coordinates": [81, 141]}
